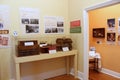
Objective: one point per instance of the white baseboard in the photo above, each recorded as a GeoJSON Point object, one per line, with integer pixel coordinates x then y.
{"type": "Point", "coordinates": [44, 75]}
{"type": "Point", "coordinates": [62, 71]}
{"type": "Point", "coordinates": [111, 73]}
{"type": "Point", "coordinates": [106, 71]}
{"type": "Point", "coordinates": [80, 74]}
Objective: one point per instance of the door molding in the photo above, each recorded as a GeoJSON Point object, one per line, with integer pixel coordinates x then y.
{"type": "Point", "coordinates": [86, 31]}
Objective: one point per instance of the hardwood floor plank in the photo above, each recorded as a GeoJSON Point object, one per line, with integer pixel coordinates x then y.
{"type": "Point", "coordinates": [94, 75]}
{"type": "Point", "coordinates": [63, 77]}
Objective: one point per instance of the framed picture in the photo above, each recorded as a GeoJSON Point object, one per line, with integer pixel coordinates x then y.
{"type": "Point", "coordinates": [111, 37]}
{"type": "Point", "coordinates": [99, 32]}
{"type": "Point", "coordinates": [111, 23]}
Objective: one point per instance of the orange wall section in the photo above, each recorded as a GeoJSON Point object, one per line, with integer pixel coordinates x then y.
{"type": "Point", "coordinates": [110, 54]}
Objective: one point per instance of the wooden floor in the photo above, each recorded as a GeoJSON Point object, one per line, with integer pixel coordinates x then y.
{"type": "Point", "coordinates": [63, 77]}
{"type": "Point", "coordinates": [93, 75]}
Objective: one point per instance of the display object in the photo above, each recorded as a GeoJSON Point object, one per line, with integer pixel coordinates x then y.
{"type": "Point", "coordinates": [63, 42]}
{"type": "Point", "coordinates": [111, 37]}
{"type": "Point", "coordinates": [99, 32]}
{"type": "Point", "coordinates": [47, 48]}
{"type": "Point", "coordinates": [52, 49]}
{"type": "Point", "coordinates": [44, 49]}
{"type": "Point", "coordinates": [26, 48]}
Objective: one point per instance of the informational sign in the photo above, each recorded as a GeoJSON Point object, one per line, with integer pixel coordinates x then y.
{"type": "Point", "coordinates": [75, 26]}
{"type": "Point", "coordinates": [53, 24]}
{"type": "Point", "coordinates": [65, 48]}
{"type": "Point", "coordinates": [29, 19]}
{"type": "Point", "coordinates": [4, 26]}
{"type": "Point", "coordinates": [52, 49]}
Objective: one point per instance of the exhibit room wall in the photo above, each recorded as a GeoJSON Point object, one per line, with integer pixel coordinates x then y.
{"type": "Point", "coordinates": [46, 8]}
{"type": "Point", "coordinates": [69, 9]}
{"type": "Point", "coordinates": [109, 51]}
{"type": "Point", "coordinates": [76, 8]}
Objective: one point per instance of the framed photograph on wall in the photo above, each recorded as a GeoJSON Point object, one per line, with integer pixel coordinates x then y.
{"type": "Point", "coordinates": [111, 24]}
{"type": "Point", "coordinates": [111, 36]}
{"type": "Point", "coordinates": [99, 32]}
{"type": "Point", "coordinates": [118, 25]}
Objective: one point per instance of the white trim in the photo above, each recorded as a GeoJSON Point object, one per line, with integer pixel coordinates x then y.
{"type": "Point", "coordinates": [111, 73]}
{"type": "Point", "coordinates": [79, 76]}
{"type": "Point", "coordinates": [103, 4]}
{"type": "Point", "coordinates": [63, 71]}
{"type": "Point", "coordinates": [86, 44]}
{"type": "Point", "coordinates": [86, 37]}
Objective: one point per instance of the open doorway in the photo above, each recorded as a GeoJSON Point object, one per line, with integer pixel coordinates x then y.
{"type": "Point", "coordinates": [86, 32]}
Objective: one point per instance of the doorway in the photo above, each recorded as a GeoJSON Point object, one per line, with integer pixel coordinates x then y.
{"type": "Point", "coordinates": [86, 32]}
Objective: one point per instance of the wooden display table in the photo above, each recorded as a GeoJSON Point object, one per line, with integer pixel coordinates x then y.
{"type": "Point", "coordinates": [67, 54]}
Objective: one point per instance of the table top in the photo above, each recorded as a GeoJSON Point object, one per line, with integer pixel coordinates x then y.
{"type": "Point", "coordinates": [44, 56]}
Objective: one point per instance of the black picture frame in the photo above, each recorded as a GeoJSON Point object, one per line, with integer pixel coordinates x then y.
{"type": "Point", "coordinates": [99, 32]}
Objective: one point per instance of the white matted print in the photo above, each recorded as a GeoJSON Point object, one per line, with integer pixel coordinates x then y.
{"type": "Point", "coordinates": [29, 20]}
{"type": "Point", "coordinates": [1, 22]}
{"type": "Point", "coordinates": [4, 26]}
{"type": "Point", "coordinates": [53, 24]}
{"type": "Point", "coordinates": [118, 25]}
{"type": "Point", "coordinates": [111, 24]}
{"type": "Point", "coordinates": [111, 37]}
{"type": "Point", "coordinates": [4, 17]}
{"type": "Point", "coordinates": [4, 41]}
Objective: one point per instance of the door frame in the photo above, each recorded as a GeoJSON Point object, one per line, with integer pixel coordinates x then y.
{"type": "Point", "coordinates": [86, 31]}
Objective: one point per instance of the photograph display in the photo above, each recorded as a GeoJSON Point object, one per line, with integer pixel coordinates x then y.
{"type": "Point", "coordinates": [99, 32]}
{"type": "Point", "coordinates": [4, 27]}
{"type": "Point", "coordinates": [53, 24]}
{"type": "Point", "coordinates": [29, 20]}
{"type": "Point", "coordinates": [32, 29]}
{"type": "Point", "coordinates": [118, 25]}
{"type": "Point", "coordinates": [4, 40]}
{"type": "Point", "coordinates": [111, 37]}
{"type": "Point", "coordinates": [1, 25]}
{"type": "Point", "coordinates": [111, 24]}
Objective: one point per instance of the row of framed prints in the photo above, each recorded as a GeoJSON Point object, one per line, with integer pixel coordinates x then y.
{"type": "Point", "coordinates": [112, 32]}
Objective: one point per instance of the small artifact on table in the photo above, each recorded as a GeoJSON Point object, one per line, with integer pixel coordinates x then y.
{"type": "Point", "coordinates": [26, 48]}
{"type": "Point", "coordinates": [63, 42]}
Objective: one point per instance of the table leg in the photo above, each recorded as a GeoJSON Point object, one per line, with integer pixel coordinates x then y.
{"type": "Point", "coordinates": [17, 71]}
{"type": "Point", "coordinates": [75, 65]}
{"type": "Point", "coordinates": [67, 65]}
